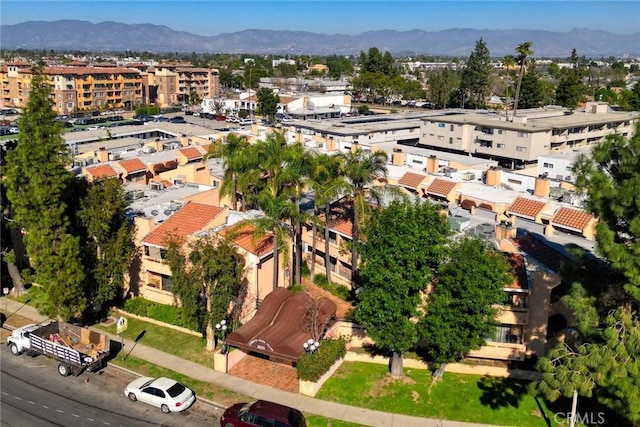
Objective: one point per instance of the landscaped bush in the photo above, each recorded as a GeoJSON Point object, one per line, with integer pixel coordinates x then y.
{"type": "Point", "coordinates": [341, 291]}
{"type": "Point", "coordinates": [170, 314]}
{"type": "Point", "coordinates": [312, 366]}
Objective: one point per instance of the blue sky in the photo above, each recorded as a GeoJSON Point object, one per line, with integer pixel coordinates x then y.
{"type": "Point", "coordinates": [337, 17]}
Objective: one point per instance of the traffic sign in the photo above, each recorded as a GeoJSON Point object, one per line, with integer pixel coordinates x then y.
{"type": "Point", "coordinates": [121, 326]}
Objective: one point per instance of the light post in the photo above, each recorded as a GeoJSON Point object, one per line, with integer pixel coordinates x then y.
{"type": "Point", "coordinates": [310, 346]}
{"type": "Point", "coordinates": [222, 329]}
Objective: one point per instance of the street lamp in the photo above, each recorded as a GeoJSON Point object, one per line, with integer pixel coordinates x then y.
{"type": "Point", "coordinates": [310, 346]}
{"type": "Point", "coordinates": [222, 329]}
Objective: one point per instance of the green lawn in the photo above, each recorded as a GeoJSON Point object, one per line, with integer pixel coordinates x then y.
{"type": "Point", "coordinates": [457, 397]}
{"type": "Point", "coordinates": [318, 421]}
{"type": "Point", "coordinates": [174, 342]}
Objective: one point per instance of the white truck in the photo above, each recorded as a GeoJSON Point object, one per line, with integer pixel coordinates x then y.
{"type": "Point", "coordinates": [76, 348]}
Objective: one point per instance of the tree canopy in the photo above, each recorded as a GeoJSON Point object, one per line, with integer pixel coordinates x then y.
{"type": "Point", "coordinates": [476, 73]}
{"type": "Point", "coordinates": [403, 247]}
{"type": "Point", "coordinates": [267, 103]}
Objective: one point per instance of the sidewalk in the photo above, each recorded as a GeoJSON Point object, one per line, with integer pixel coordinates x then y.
{"type": "Point", "coordinates": [333, 410]}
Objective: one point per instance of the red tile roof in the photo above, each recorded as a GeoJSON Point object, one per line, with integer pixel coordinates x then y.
{"type": "Point", "coordinates": [573, 219]}
{"type": "Point", "coordinates": [102, 171]}
{"type": "Point", "coordinates": [192, 218]}
{"type": "Point", "coordinates": [440, 187]}
{"type": "Point", "coordinates": [527, 208]}
{"type": "Point", "coordinates": [243, 236]}
{"type": "Point", "coordinates": [88, 70]}
{"type": "Point", "coordinates": [191, 153]}
{"type": "Point", "coordinates": [132, 165]}
{"type": "Point", "coordinates": [411, 180]}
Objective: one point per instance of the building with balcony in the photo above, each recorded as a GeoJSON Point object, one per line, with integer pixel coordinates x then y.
{"type": "Point", "coordinates": [74, 88]}
{"type": "Point", "coordinates": [173, 84]}
{"type": "Point", "coordinates": [525, 138]}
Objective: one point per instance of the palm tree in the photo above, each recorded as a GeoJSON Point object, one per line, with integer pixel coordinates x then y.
{"type": "Point", "coordinates": [233, 151]}
{"type": "Point", "coordinates": [509, 62]}
{"type": "Point", "coordinates": [328, 182]}
{"type": "Point", "coordinates": [361, 169]}
{"type": "Point", "coordinates": [523, 50]}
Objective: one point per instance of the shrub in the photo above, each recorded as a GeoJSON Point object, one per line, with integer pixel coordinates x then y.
{"type": "Point", "coordinates": [305, 270]}
{"type": "Point", "coordinates": [312, 366]}
{"type": "Point", "coordinates": [171, 314]}
{"type": "Point", "coordinates": [320, 280]}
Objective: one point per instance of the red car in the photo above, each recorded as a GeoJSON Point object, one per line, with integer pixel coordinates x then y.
{"type": "Point", "coordinates": [221, 118]}
{"type": "Point", "coordinates": [261, 413]}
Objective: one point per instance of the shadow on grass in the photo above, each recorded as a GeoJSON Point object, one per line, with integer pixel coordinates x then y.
{"type": "Point", "coordinates": [501, 392]}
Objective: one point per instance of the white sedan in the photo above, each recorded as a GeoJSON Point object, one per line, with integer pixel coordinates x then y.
{"type": "Point", "coordinates": [164, 393]}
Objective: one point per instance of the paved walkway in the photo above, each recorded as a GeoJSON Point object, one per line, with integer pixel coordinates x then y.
{"type": "Point", "coordinates": [333, 410]}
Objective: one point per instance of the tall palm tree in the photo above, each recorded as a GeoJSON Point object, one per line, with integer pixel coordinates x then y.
{"type": "Point", "coordinates": [509, 61]}
{"type": "Point", "coordinates": [523, 50]}
{"type": "Point", "coordinates": [361, 169]}
{"type": "Point", "coordinates": [328, 182]}
{"type": "Point", "coordinates": [233, 152]}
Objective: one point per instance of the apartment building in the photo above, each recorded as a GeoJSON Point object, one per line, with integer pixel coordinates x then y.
{"type": "Point", "coordinates": [172, 84]}
{"type": "Point", "coordinates": [523, 139]}
{"type": "Point", "coordinates": [74, 88]}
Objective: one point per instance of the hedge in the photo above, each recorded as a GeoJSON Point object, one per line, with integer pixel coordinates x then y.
{"type": "Point", "coordinates": [341, 291]}
{"type": "Point", "coordinates": [170, 314]}
{"type": "Point", "coordinates": [311, 366]}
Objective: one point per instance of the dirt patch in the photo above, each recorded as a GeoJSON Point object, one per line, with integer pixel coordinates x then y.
{"type": "Point", "coordinates": [14, 321]}
{"type": "Point", "coordinates": [108, 321]}
{"type": "Point", "coordinates": [342, 307]}
{"type": "Point", "coordinates": [415, 396]}
{"type": "Point", "coordinates": [380, 387]}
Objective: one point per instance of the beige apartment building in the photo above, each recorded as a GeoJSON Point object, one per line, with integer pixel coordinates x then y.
{"type": "Point", "coordinates": [74, 88]}
{"type": "Point", "coordinates": [523, 139]}
{"type": "Point", "coordinates": [172, 84]}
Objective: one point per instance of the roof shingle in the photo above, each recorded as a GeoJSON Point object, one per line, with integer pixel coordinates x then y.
{"type": "Point", "coordinates": [441, 187]}
{"type": "Point", "coordinates": [527, 208]}
{"type": "Point", "coordinates": [243, 236]}
{"type": "Point", "coordinates": [573, 219]}
{"type": "Point", "coordinates": [411, 180]}
{"type": "Point", "coordinates": [191, 153]}
{"type": "Point", "coordinates": [188, 220]}
{"type": "Point", "coordinates": [132, 165]}
{"type": "Point", "coordinates": [102, 171]}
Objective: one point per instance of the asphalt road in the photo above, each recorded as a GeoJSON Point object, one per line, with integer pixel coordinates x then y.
{"type": "Point", "coordinates": [34, 394]}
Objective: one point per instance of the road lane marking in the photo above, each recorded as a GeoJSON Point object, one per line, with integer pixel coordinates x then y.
{"type": "Point", "coordinates": [58, 410]}
{"type": "Point", "coordinates": [33, 403]}
{"type": "Point", "coordinates": [91, 419]}
{"type": "Point", "coordinates": [16, 397]}
{"type": "Point", "coordinates": [44, 406]}
{"type": "Point", "coordinates": [75, 415]}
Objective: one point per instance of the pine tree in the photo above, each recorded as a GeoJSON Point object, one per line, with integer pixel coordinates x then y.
{"type": "Point", "coordinates": [476, 74]}
{"type": "Point", "coordinates": [37, 183]}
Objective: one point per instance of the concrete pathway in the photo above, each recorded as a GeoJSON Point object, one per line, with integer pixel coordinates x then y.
{"type": "Point", "coordinates": [333, 410]}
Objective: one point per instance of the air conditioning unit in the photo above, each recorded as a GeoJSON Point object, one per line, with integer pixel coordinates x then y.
{"type": "Point", "coordinates": [156, 186]}
{"type": "Point", "coordinates": [468, 176]}
{"type": "Point", "coordinates": [114, 156]}
{"type": "Point", "coordinates": [568, 196]}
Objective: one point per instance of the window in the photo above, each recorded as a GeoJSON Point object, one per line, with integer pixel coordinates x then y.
{"type": "Point", "coordinates": [441, 125]}
{"type": "Point", "coordinates": [450, 140]}
{"type": "Point", "coordinates": [500, 131]}
{"type": "Point", "coordinates": [417, 162]}
{"type": "Point", "coordinates": [501, 146]}
{"type": "Point", "coordinates": [568, 169]}
{"type": "Point", "coordinates": [548, 165]}
{"type": "Point", "coordinates": [332, 238]}
{"type": "Point", "coordinates": [451, 128]}
{"type": "Point", "coordinates": [167, 284]}
{"type": "Point", "coordinates": [440, 138]}
{"type": "Point", "coordinates": [523, 134]}
{"type": "Point", "coordinates": [521, 149]}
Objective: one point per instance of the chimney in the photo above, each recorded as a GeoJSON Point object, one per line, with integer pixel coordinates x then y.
{"type": "Point", "coordinates": [432, 164]}
{"type": "Point", "coordinates": [354, 147]}
{"type": "Point", "coordinates": [102, 155]}
{"type": "Point", "coordinates": [542, 187]}
{"type": "Point", "coordinates": [493, 177]}
{"type": "Point", "coordinates": [505, 230]}
{"type": "Point", "coordinates": [331, 144]}
{"type": "Point", "coordinates": [398, 158]}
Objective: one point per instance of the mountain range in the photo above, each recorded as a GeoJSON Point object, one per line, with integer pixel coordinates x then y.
{"type": "Point", "coordinates": [113, 36]}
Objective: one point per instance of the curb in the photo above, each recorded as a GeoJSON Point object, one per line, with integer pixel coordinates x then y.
{"type": "Point", "coordinates": [215, 405]}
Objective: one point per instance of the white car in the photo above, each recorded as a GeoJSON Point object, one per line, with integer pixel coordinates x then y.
{"type": "Point", "coordinates": [164, 393]}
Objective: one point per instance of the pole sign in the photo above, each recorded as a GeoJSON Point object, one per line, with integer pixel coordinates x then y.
{"type": "Point", "coordinates": [121, 326]}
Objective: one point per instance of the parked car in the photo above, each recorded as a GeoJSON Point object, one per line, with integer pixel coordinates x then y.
{"type": "Point", "coordinates": [164, 393]}
{"type": "Point", "coordinates": [177, 119]}
{"type": "Point", "coordinates": [221, 118]}
{"type": "Point", "coordinates": [261, 413]}
{"type": "Point", "coordinates": [246, 121]}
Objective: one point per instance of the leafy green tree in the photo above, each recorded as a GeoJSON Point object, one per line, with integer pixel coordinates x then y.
{"type": "Point", "coordinates": [441, 86]}
{"type": "Point", "coordinates": [523, 52]}
{"type": "Point", "coordinates": [570, 89]}
{"type": "Point", "coordinates": [476, 74]}
{"type": "Point", "coordinates": [461, 312]}
{"type": "Point", "coordinates": [37, 181]}
{"type": "Point", "coordinates": [267, 103]}
{"type": "Point", "coordinates": [361, 169]}
{"type": "Point", "coordinates": [109, 248]}
{"type": "Point", "coordinates": [339, 66]}
{"type": "Point", "coordinates": [206, 279]}
{"type": "Point", "coordinates": [531, 90]}
{"type": "Point", "coordinates": [405, 243]}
